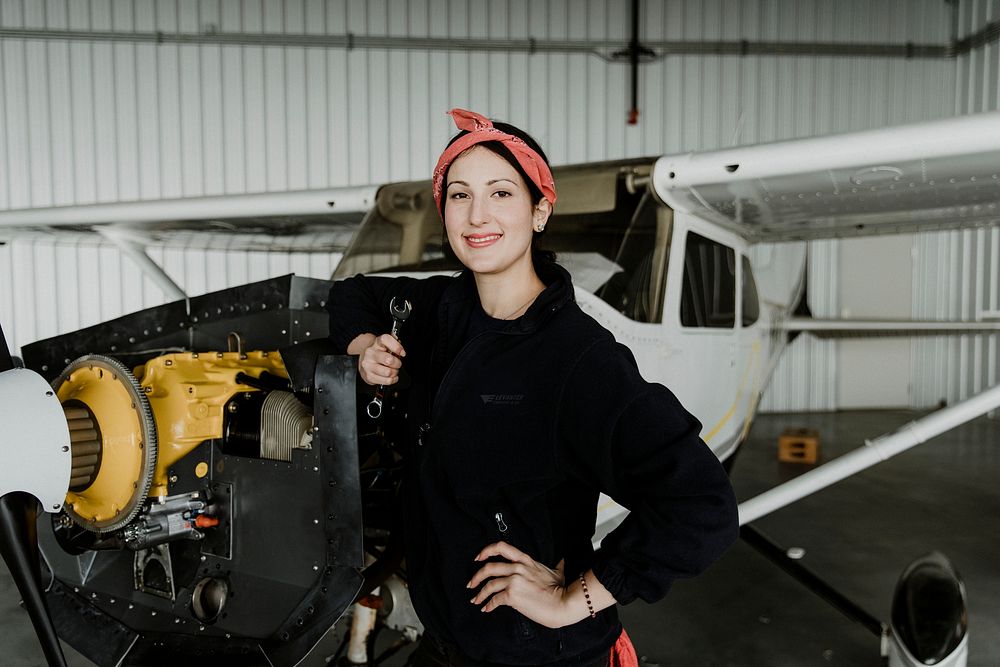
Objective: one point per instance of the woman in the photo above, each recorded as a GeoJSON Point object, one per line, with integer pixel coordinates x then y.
{"type": "Point", "coordinates": [523, 410]}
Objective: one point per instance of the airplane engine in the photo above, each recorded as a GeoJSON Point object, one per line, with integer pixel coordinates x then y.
{"type": "Point", "coordinates": [196, 521]}
{"type": "Point", "coordinates": [127, 433]}
{"type": "Point", "coordinates": [199, 505]}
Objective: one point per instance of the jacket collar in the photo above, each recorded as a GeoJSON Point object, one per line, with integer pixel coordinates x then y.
{"type": "Point", "coordinates": [558, 292]}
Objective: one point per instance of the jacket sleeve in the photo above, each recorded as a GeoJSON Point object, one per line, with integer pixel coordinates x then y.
{"type": "Point", "coordinates": [360, 305]}
{"type": "Point", "coordinates": [635, 442]}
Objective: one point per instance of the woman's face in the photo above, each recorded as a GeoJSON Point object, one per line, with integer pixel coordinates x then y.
{"type": "Point", "coordinates": [488, 214]}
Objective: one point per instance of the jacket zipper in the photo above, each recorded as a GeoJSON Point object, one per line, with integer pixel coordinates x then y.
{"type": "Point", "coordinates": [523, 627]}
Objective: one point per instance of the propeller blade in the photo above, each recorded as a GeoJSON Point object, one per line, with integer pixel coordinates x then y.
{"type": "Point", "coordinates": [19, 547]}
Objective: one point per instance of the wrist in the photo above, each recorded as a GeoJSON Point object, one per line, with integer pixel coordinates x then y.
{"type": "Point", "coordinates": [574, 603]}
{"type": "Point", "coordinates": [575, 598]}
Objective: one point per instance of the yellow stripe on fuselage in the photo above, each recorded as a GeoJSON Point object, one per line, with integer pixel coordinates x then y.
{"type": "Point", "coordinates": [755, 350]}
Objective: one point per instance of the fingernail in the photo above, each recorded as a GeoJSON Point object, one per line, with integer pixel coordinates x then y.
{"type": "Point", "coordinates": [473, 600]}
{"type": "Point", "coordinates": [469, 585]}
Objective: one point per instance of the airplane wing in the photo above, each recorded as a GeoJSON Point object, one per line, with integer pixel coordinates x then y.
{"type": "Point", "coordinates": [942, 174]}
{"type": "Point", "coordinates": [868, 328]}
{"type": "Point", "coordinates": [320, 220]}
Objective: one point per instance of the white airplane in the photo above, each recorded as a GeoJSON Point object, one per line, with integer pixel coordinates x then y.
{"type": "Point", "coordinates": [695, 261]}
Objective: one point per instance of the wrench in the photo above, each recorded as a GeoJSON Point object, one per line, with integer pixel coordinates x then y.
{"type": "Point", "coordinates": [400, 309]}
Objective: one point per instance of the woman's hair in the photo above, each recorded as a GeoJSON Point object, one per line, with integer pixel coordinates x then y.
{"type": "Point", "coordinates": [538, 255]}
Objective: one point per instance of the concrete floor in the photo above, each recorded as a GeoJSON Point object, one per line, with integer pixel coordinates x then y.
{"type": "Point", "coordinates": [858, 535]}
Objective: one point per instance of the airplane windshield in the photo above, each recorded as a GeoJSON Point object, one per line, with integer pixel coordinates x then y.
{"type": "Point", "coordinates": [607, 231]}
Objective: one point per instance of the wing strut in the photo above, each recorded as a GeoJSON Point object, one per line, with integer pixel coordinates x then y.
{"type": "Point", "coordinates": [874, 451]}
{"type": "Point", "coordinates": [137, 253]}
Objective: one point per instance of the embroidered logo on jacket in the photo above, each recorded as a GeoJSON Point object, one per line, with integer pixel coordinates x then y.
{"type": "Point", "coordinates": [502, 399]}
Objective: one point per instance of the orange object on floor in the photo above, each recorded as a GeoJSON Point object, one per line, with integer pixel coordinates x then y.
{"type": "Point", "coordinates": [798, 445]}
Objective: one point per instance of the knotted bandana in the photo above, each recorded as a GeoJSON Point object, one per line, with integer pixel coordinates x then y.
{"type": "Point", "coordinates": [481, 129]}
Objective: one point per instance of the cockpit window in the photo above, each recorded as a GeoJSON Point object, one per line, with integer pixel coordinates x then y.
{"type": "Point", "coordinates": [607, 231]}
{"type": "Point", "coordinates": [751, 302]}
{"type": "Point", "coordinates": [708, 294]}
{"type": "Point", "coordinates": [636, 289]}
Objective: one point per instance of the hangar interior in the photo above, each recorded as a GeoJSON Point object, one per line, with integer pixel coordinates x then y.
{"type": "Point", "coordinates": [105, 101]}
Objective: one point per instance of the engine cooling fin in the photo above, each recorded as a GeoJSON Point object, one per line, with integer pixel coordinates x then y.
{"type": "Point", "coordinates": [284, 426]}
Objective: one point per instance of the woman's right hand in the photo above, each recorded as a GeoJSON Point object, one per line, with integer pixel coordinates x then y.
{"type": "Point", "coordinates": [379, 358]}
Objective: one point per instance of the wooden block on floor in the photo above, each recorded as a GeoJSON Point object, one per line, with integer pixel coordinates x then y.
{"type": "Point", "coordinates": [798, 445]}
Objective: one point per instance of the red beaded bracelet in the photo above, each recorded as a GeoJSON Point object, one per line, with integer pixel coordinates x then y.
{"type": "Point", "coordinates": [586, 595]}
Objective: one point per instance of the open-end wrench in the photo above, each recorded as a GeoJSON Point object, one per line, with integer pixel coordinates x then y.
{"type": "Point", "coordinates": [400, 309]}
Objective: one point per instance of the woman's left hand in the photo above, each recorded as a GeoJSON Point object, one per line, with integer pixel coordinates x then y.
{"type": "Point", "coordinates": [523, 584]}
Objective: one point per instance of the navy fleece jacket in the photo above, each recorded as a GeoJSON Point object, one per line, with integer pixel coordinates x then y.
{"type": "Point", "coordinates": [520, 428]}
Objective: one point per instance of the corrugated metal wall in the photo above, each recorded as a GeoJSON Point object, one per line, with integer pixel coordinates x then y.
{"type": "Point", "coordinates": [96, 121]}
{"type": "Point", "coordinates": [89, 121]}
{"type": "Point", "coordinates": [957, 274]}
{"type": "Point", "coordinates": [54, 286]}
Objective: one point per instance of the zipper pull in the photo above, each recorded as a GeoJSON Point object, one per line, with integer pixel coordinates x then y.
{"type": "Point", "coordinates": [500, 524]}
{"type": "Point", "coordinates": [421, 431]}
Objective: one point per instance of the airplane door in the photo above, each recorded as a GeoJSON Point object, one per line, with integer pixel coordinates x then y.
{"type": "Point", "coordinates": [707, 332]}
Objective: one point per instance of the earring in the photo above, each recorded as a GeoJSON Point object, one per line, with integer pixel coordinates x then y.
{"type": "Point", "coordinates": [540, 228]}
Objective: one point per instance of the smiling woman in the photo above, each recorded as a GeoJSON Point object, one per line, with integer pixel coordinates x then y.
{"type": "Point", "coordinates": [522, 410]}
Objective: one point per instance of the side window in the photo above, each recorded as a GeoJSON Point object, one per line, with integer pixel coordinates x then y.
{"type": "Point", "coordinates": [708, 296]}
{"type": "Point", "coordinates": [751, 303]}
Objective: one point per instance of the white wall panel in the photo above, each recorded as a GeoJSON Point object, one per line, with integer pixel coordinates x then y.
{"type": "Point", "coordinates": [957, 274]}
{"type": "Point", "coordinates": [805, 377]}
{"type": "Point", "coordinates": [87, 121]}
{"type": "Point", "coordinates": [52, 287]}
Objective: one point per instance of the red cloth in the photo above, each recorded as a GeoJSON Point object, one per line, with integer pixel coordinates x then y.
{"type": "Point", "coordinates": [481, 129]}
{"type": "Point", "coordinates": [623, 653]}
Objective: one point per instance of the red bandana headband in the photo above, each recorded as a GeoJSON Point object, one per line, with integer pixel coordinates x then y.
{"type": "Point", "coordinates": [481, 129]}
